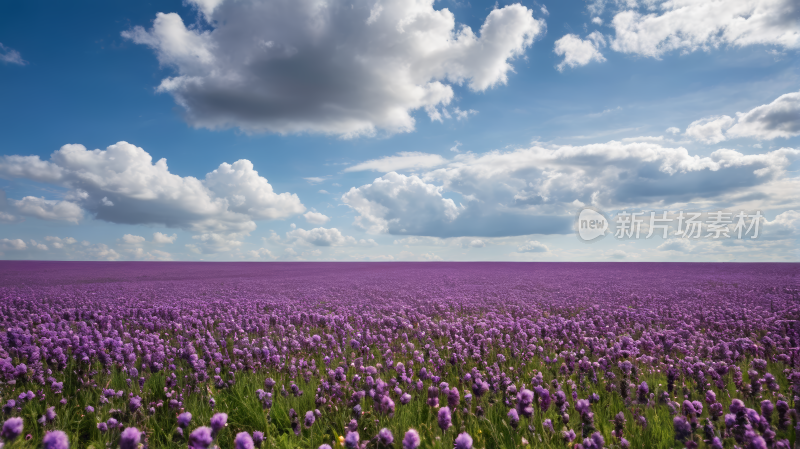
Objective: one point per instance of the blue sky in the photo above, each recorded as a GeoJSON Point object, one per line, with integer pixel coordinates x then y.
{"type": "Point", "coordinates": [394, 130]}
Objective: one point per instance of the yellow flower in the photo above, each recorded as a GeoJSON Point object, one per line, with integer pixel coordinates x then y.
{"type": "Point", "coordinates": [341, 440]}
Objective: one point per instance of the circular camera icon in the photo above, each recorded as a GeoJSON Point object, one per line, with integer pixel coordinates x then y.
{"type": "Point", "coordinates": [591, 224]}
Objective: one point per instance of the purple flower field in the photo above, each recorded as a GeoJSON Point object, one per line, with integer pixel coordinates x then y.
{"type": "Point", "coordinates": [401, 355]}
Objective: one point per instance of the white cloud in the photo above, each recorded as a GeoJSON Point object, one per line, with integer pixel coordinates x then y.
{"type": "Point", "coordinates": [48, 209]}
{"type": "Point", "coordinates": [161, 238]}
{"type": "Point", "coordinates": [130, 239]}
{"type": "Point", "coordinates": [315, 179]}
{"type": "Point", "coordinates": [400, 204]}
{"type": "Point", "coordinates": [37, 245]}
{"type": "Point", "coordinates": [533, 246]}
{"type": "Point", "coordinates": [12, 244]}
{"type": "Point", "coordinates": [676, 244]}
{"type": "Point", "coordinates": [365, 66]}
{"type": "Point", "coordinates": [477, 243]}
{"type": "Point", "coordinates": [545, 11]}
{"type": "Point", "coordinates": [537, 190]}
{"type": "Point", "coordinates": [316, 218]}
{"type": "Point", "coordinates": [710, 129]}
{"type": "Point", "coordinates": [59, 243]}
{"type": "Point", "coordinates": [690, 25]}
{"type": "Point", "coordinates": [213, 242]}
{"type": "Point", "coordinates": [578, 52]}
{"type": "Point", "coordinates": [101, 251]}
{"type": "Point", "coordinates": [405, 160]}
{"type": "Point", "coordinates": [597, 21]}
{"type": "Point", "coordinates": [454, 148]}
{"type": "Point", "coordinates": [261, 253]}
{"type": "Point", "coordinates": [779, 119]}
{"type": "Point", "coordinates": [325, 237]}
{"type": "Point", "coordinates": [229, 199]}
{"type": "Point", "coordinates": [11, 56]}
{"type": "Point", "coordinates": [673, 130]}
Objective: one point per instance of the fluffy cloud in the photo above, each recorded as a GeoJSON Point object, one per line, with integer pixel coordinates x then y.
{"type": "Point", "coordinates": [690, 25]}
{"type": "Point", "coordinates": [330, 66]}
{"type": "Point", "coordinates": [710, 129]}
{"type": "Point", "coordinates": [781, 118]}
{"type": "Point", "coordinates": [48, 209]}
{"type": "Point", "coordinates": [533, 246]}
{"type": "Point", "coordinates": [130, 239]}
{"type": "Point", "coordinates": [400, 204]}
{"type": "Point", "coordinates": [325, 237]}
{"type": "Point", "coordinates": [402, 161]}
{"type": "Point", "coordinates": [122, 185]}
{"type": "Point", "coordinates": [161, 238]}
{"type": "Point", "coordinates": [577, 51]}
{"type": "Point", "coordinates": [60, 243]}
{"type": "Point", "coordinates": [10, 56]}
{"type": "Point", "coordinates": [212, 242]}
{"type": "Point", "coordinates": [12, 244]}
{"type": "Point", "coordinates": [316, 218]}
{"type": "Point", "coordinates": [537, 190]}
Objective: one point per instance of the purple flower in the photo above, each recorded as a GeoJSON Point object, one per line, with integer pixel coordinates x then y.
{"type": "Point", "coordinates": [218, 423]}
{"type": "Point", "coordinates": [463, 441]}
{"type": "Point", "coordinates": [582, 406]}
{"type": "Point", "coordinates": [736, 406]}
{"type": "Point", "coordinates": [325, 446]}
{"type": "Point", "coordinates": [453, 398]}
{"type": "Point", "coordinates": [102, 427]}
{"type": "Point", "coordinates": [243, 441]}
{"type": "Point", "coordinates": [385, 437]}
{"type": "Point", "coordinates": [258, 438]}
{"type": "Point", "coordinates": [351, 440]}
{"type": "Point", "coordinates": [309, 419]}
{"type": "Point", "coordinates": [641, 392]}
{"type": "Point", "coordinates": [135, 403]}
{"type": "Point", "coordinates": [201, 438]}
{"type": "Point", "coordinates": [682, 428]}
{"type": "Point", "coordinates": [444, 418]}
{"type": "Point", "coordinates": [130, 438]}
{"type": "Point", "coordinates": [405, 398]}
{"type": "Point", "coordinates": [184, 419]}
{"type": "Point", "coordinates": [50, 414]}
{"type": "Point", "coordinates": [89, 409]}
{"type": "Point", "coordinates": [55, 440]}
{"type": "Point", "coordinates": [513, 418]}
{"type": "Point", "coordinates": [548, 425]}
{"type": "Point", "coordinates": [411, 439]}
{"type": "Point", "coordinates": [12, 428]}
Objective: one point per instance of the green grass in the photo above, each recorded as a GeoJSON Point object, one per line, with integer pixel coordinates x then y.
{"type": "Point", "coordinates": [245, 413]}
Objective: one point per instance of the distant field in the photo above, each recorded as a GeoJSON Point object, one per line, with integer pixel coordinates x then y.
{"type": "Point", "coordinates": [484, 355]}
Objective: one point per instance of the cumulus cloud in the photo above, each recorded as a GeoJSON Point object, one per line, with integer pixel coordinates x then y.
{"type": "Point", "coordinates": [676, 244]}
{"type": "Point", "coordinates": [11, 56]}
{"type": "Point", "coordinates": [316, 218]}
{"type": "Point", "coordinates": [12, 244]}
{"type": "Point", "coordinates": [689, 25]}
{"type": "Point", "coordinates": [122, 185]}
{"type": "Point", "coordinates": [130, 239]}
{"type": "Point", "coordinates": [60, 243]}
{"type": "Point", "coordinates": [325, 237]}
{"type": "Point", "coordinates": [406, 160]}
{"type": "Point", "coordinates": [48, 209]}
{"type": "Point", "coordinates": [161, 238]}
{"type": "Point", "coordinates": [537, 190]}
{"type": "Point", "coordinates": [400, 204]}
{"type": "Point", "coordinates": [577, 51]}
{"type": "Point", "coordinates": [779, 119]}
{"type": "Point", "coordinates": [533, 246]}
{"type": "Point", "coordinates": [333, 67]}
{"type": "Point", "coordinates": [710, 129]}
{"type": "Point", "coordinates": [213, 242]}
